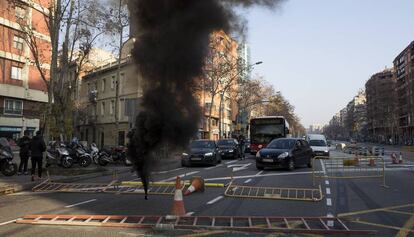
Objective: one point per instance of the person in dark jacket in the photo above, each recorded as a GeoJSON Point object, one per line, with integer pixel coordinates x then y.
{"type": "Point", "coordinates": [24, 144]}
{"type": "Point", "coordinates": [37, 147]}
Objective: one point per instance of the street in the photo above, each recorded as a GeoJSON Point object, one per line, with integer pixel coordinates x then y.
{"type": "Point", "coordinates": [387, 210]}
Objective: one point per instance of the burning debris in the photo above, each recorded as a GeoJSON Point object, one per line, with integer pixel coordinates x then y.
{"type": "Point", "coordinates": [172, 43]}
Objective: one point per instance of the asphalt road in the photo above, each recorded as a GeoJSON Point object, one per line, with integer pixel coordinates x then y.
{"type": "Point", "coordinates": [390, 210]}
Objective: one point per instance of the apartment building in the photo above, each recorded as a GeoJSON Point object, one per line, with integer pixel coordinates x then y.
{"type": "Point", "coordinates": [22, 90]}
{"type": "Point", "coordinates": [381, 104]}
{"type": "Point", "coordinates": [404, 69]}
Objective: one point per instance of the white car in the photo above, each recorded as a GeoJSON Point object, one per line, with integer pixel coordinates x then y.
{"type": "Point", "coordinates": [318, 144]}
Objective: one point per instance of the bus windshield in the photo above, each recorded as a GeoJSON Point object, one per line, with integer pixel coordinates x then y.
{"type": "Point", "coordinates": [262, 131]}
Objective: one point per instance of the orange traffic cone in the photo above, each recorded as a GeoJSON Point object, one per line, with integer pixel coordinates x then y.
{"type": "Point", "coordinates": [197, 184]}
{"type": "Point", "coordinates": [178, 206]}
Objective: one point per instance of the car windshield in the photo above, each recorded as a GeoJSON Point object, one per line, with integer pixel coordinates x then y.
{"type": "Point", "coordinates": [282, 144]}
{"type": "Point", "coordinates": [317, 143]}
{"type": "Point", "coordinates": [226, 142]}
{"type": "Point", "coordinates": [202, 144]}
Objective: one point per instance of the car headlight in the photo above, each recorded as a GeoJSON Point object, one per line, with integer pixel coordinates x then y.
{"type": "Point", "coordinates": [258, 154]}
{"type": "Point", "coordinates": [283, 155]}
{"type": "Point", "coordinates": [209, 154]}
{"type": "Point", "coordinates": [231, 151]}
{"type": "Point", "coordinates": [185, 154]}
{"type": "Point", "coordinates": [326, 151]}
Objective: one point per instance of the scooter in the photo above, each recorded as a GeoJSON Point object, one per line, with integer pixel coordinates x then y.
{"type": "Point", "coordinates": [58, 154]}
{"type": "Point", "coordinates": [115, 155]}
{"type": "Point", "coordinates": [79, 155]}
{"type": "Point", "coordinates": [94, 152]}
{"type": "Point", "coordinates": [7, 166]}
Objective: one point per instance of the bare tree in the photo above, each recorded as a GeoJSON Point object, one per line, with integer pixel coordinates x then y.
{"type": "Point", "coordinates": [73, 27]}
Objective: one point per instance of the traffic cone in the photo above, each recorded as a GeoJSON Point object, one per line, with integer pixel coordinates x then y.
{"type": "Point", "coordinates": [400, 159]}
{"type": "Point", "coordinates": [178, 206]}
{"type": "Point", "coordinates": [197, 184]}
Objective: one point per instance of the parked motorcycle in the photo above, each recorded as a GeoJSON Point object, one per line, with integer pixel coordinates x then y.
{"type": "Point", "coordinates": [94, 152]}
{"type": "Point", "coordinates": [114, 155]}
{"type": "Point", "coordinates": [58, 154]}
{"type": "Point", "coordinates": [7, 166]}
{"type": "Point", "coordinates": [78, 154]}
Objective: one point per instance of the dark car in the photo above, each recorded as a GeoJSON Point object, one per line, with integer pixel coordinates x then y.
{"type": "Point", "coordinates": [229, 148]}
{"type": "Point", "coordinates": [201, 152]}
{"type": "Point", "coordinates": [286, 153]}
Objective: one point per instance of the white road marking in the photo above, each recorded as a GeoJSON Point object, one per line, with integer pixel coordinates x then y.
{"type": "Point", "coordinates": [189, 213]}
{"type": "Point", "coordinates": [181, 176]}
{"type": "Point", "coordinates": [212, 167]}
{"type": "Point", "coordinates": [327, 182]}
{"type": "Point", "coordinates": [243, 167]}
{"type": "Point", "coordinates": [8, 222]}
{"type": "Point", "coordinates": [231, 162]}
{"type": "Point", "coordinates": [167, 171]}
{"type": "Point", "coordinates": [214, 200]}
{"type": "Point", "coordinates": [323, 167]}
{"type": "Point", "coordinates": [329, 202]}
{"type": "Point", "coordinates": [80, 203]}
{"type": "Point", "coordinates": [259, 173]}
{"type": "Point", "coordinates": [258, 176]}
{"type": "Point", "coordinates": [330, 223]}
{"type": "Point", "coordinates": [247, 181]}
{"type": "Point", "coordinates": [328, 191]}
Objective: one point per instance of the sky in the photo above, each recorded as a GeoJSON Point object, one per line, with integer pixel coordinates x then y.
{"type": "Point", "coordinates": [320, 53]}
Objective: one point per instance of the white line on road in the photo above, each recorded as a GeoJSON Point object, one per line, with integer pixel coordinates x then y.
{"type": "Point", "coordinates": [258, 176]}
{"type": "Point", "coordinates": [247, 181]}
{"type": "Point", "coordinates": [212, 167]}
{"type": "Point", "coordinates": [328, 191]}
{"type": "Point", "coordinates": [80, 203]}
{"type": "Point", "coordinates": [323, 167]}
{"type": "Point", "coordinates": [329, 202]}
{"type": "Point", "coordinates": [189, 213]}
{"type": "Point", "coordinates": [242, 167]}
{"type": "Point", "coordinates": [231, 162]}
{"type": "Point", "coordinates": [181, 176]}
{"type": "Point", "coordinates": [259, 173]}
{"type": "Point", "coordinates": [8, 222]}
{"type": "Point", "coordinates": [167, 171]}
{"type": "Point", "coordinates": [214, 200]}
{"type": "Point", "coordinates": [330, 223]}
{"type": "Point", "coordinates": [327, 182]}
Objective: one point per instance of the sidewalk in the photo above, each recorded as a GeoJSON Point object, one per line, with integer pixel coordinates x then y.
{"type": "Point", "coordinates": [23, 182]}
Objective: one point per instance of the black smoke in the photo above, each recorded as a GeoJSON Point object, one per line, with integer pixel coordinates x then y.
{"type": "Point", "coordinates": [170, 49]}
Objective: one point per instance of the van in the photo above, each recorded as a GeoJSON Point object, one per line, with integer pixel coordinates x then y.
{"type": "Point", "coordinates": [318, 144]}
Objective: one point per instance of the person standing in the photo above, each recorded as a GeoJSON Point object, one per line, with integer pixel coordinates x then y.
{"type": "Point", "coordinates": [37, 147]}
{"type": "Point", "coordinates": [241, 144]}
{"type": "Point", "coordinates": [24, 144]}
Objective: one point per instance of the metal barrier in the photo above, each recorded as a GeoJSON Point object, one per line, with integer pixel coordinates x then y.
{"type": "Point", "coordinates": [309, 225]}
{"type": "Point", "coordinates": [349, 168]}
{"type": "Point", "coordinates": [296, 194]}
{"type": "Point", "coordinates": [165, 189]}
{"type": "Point", "coordinates": [50, 186]}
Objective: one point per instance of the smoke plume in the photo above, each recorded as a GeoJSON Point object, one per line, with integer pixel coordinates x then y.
{"type": "Point", "coordinates": [170, 49]}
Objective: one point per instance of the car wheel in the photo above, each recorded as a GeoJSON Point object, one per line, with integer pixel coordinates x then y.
{"type": "Point", "coordinates": [291, 165]}
{"type": "Point", "coordinates": [310, 164]}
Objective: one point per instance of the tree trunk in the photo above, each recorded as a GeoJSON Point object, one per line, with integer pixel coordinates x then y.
{"type": "Point", "coordinates": [209, 116]}
{"type": "Point", "coordinates": [221, 115]}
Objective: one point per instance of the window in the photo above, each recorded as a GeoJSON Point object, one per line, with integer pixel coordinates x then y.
{"type": "Point", "coordinates": [112, 108]}
{"type": "Point", "coordinates": [103, 108]}
{"type": "Point", "coordinates": [103, 84]}
{"type": "Point", "coordinates": [18, 42]}
{"type": "Point", "coordinates": [16, 73]}
{"type": "Point", "coordinates": [113, 82]}
{"type": "Point", "coordinates": [20, 12]}
{"type": "Point", "coordinates": [14, 107]}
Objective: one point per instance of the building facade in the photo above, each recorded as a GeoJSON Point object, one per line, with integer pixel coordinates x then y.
{"type": "Point", "coordinates": [404, 69]}
{"type": "Point", "coordinates": [381, 106]}
{"type": "Point", "coordinates": [22, 90]}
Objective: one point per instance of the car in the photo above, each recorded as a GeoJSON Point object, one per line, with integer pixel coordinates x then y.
{"type": "Point", "coordinates": [229, 148]}
{"type": "Point", "coordinates": [286, 153]}
{"type": "Point", "coordinates": [201, 152]}
{"type": "Point", "coordinates": [318, 144]}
